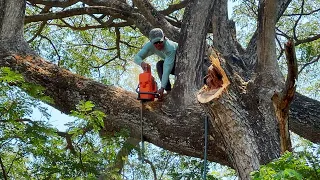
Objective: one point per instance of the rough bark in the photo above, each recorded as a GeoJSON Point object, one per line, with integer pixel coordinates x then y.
{"type": "Point", "coordinates": [121, 106]}
{"type": "Point", "coordinates": [305, 117]}
{"type": "Point", "coordinates": [226, 116]}
{"type": "Point", "coordinates": [305, 112]}
{"type": "Point", "coordinates": [224, 30]}
{"type": "Point", "coordinates": [191, 51]}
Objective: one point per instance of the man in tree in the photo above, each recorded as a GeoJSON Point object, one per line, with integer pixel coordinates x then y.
{"type": "Point", "coordinates": [164, 48]}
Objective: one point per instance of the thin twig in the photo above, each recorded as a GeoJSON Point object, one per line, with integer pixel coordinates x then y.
{"type": "Point", "coordinates": [152, 168]}
{"type": "Point", "coordinates": [54, 47]}
{"type": "Point", "coordinates": [307, 64]}
{"type": "Point", "coordinates": [297, 21]}
{"type": "Point", "coordinates": [5, 176]}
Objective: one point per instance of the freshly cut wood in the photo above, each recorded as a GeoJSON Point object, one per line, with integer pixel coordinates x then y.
{"type": "Point", "coordinates": [216, 79]}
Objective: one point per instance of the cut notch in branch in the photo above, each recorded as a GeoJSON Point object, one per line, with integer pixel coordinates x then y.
{"type": "Point", "coordinates": [216, 81]}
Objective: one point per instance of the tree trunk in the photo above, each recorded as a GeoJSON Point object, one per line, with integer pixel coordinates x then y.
{"type": "Point", "coordinates": [11, 26]}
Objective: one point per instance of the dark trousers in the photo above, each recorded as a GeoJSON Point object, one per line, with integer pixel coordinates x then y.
{"type": "Point", "coordinates": [160, 72]}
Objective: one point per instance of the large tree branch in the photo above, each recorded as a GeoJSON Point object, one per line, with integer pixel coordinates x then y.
{"type": "Point", "coordinates": [223, 30]}
{"type": "Point", "coordinates": [252, 46]}
{"type": "Point", "coordinates": [193, 35]}
{"type": "Point", "coordinates": [121, 106]}
{"type": "Point", "coordinates": [54, 3]}
{"type": "Point", "coordinates": [156, 18]}
{"type": "Point", "coordinates": [305, 117]}
{"type": "Point", "coordinates": [266, 48]}
{"type": "Point", "coordinates": [116, 9]}
{"type": "Point", "coordinates": [73, 12]}
{"type": "Point", "coordinates": [123, 109]}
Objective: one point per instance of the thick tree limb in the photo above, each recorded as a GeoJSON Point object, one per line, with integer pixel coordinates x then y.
{"type": "Point", "coordinates": [224, 30]}
{"type": "Point", "coordinates": [68, 89]}
{"type": "Point", "coordinates": [73, 12]}
{"type": "Point", "coordinates": [252, 46]}
{"type": "Point", "coordinates": [54, 3]}
{"type": "Point", "coordinates": [156, 18]}
{"type": "Point", "coordinates": [174, 7]}
{"type": "Point", "coordinates": [223, 108]}
{"type": "Point", "coordinates": [305, 117]}
{"type": "Point", "coordinates": [190, 70]}
{"type": "Point", "coordinates": [266, 49]}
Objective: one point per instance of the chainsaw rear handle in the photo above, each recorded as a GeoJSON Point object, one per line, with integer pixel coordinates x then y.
{"type": "Point", "coordinates": [156, 95]}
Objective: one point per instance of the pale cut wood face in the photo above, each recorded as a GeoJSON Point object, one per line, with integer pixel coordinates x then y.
{"type": "Point", "coordinates": [216, 80]}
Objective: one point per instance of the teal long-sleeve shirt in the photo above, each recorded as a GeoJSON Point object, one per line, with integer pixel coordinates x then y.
{"type": "Point", "coordinates": [168, 54]}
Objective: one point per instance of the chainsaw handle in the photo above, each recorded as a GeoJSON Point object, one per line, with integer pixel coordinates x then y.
{"type": "Point", "coordinates": [156, 95]}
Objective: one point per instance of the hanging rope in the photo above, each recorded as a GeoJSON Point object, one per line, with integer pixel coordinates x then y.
{"type": "Point", "coordinates": [205, 147]}
{"type": "Point", "coordinates": [142, 140]}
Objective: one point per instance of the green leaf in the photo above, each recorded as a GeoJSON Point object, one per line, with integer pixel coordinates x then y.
{"type": "Point", "coordinates": [290, 173]}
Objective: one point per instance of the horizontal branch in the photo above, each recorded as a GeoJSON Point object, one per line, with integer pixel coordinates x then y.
{"type": "Point", "coordinates": [122, 108]}
{"type": "Point", "coordinates": [305, 117]}
{"type": "Point", "coordinates": [72, 12]}
{"type": "Point", "coordinates": [302, 14]}
{"type": "Point", "coordinates": [174, 7]}
{"type": "Point", "coordinates": [306, 40]}
{"type": "Point", "coordinates": [309, 63]}
{"type": "Point", "coordinates": [55, 3]}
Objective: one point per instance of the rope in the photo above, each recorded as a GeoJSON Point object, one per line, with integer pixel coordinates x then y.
{"type": "Point", "coordinates": [205, 147]}
{"type": "Point", "coordinates": [142, 140]}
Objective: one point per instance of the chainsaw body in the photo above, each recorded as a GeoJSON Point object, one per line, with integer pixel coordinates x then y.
{"type": "Point", "coordinates": [147, 88]}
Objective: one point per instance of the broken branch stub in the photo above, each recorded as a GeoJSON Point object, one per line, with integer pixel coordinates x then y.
{"type": "Point", "coordinates": [216, 80]}
{"type": "Point", "coordinates": [282, 100]}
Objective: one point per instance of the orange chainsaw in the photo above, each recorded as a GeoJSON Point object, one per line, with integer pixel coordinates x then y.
{"type": "Point", "coordinates": [147, 91]}
{"type": "Point", "coordinates": [147, 88]}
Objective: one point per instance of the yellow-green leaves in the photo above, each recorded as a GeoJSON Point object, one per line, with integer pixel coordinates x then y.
{"type": "Point", "coordinates": [92, 117]}
{"type": "Point", "coordinates": [294, 166]}
{"type": "Point", "coordinates": [8, 76]}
